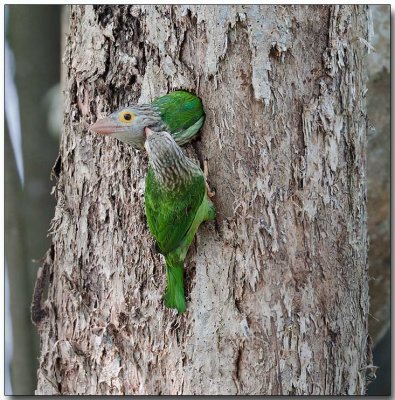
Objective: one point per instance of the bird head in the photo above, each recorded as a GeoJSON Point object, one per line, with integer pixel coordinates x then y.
{"type": "Point", "coordinates": [127, 124]}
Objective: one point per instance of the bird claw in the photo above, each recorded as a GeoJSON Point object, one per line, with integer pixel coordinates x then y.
{"type": "Point", "coordinates": [210, 193]}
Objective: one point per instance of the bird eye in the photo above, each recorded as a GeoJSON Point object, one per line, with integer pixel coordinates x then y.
{"type": "Point", "coordinates": [126, 116]}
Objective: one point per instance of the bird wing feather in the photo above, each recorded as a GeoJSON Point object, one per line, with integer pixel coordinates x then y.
{"type": "Point", "coordinates": [170, 213]}
{"type": "Point", "coordinates": [179, 110]}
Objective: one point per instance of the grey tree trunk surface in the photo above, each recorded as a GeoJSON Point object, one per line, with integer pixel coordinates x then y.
{"type": "Point", "coordinates": [277, 287]}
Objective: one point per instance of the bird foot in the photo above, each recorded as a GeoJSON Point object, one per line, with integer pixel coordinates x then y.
{"type": "Point", "coordinates": [210, 193]}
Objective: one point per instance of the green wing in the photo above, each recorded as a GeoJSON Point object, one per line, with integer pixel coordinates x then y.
{"type": "Point", "coordinates": [180, 110]}
{"type": "Point", "coordinates": [171, 213]}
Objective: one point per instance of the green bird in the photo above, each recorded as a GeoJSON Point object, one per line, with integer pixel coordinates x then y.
{"type": "Point", "coordinates": [181, 113]}
{"type": "Point", "coordinates": [176, 203]}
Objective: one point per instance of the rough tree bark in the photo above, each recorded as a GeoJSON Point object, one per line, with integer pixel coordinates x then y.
{"type": "Point", "coordinates": [277, 288]}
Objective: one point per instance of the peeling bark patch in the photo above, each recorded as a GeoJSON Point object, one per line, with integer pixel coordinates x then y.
{"type": "Point", "coordinates": [39, 308]}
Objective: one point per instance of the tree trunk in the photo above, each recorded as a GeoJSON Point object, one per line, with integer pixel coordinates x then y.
{"type": "Point", "coordinates": [277, 288]}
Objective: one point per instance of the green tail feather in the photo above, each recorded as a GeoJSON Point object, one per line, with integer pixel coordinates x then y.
{"type": "Point", "coordinates": [174, 296]}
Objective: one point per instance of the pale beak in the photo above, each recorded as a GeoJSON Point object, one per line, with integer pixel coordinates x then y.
{"type": "Point", "coordinates": [105, 126]}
